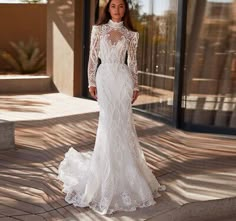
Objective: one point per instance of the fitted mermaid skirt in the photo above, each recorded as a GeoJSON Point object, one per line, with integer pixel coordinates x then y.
{"type": "Point", "coordinates": [115, 175]}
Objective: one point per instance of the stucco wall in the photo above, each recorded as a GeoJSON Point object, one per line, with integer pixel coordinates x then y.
{"type": "Point", "coordinates": [60, 44]}
{"type": "Point", "coordinates": [20, 22]}
{"type": "Point", "coordinates": [65, 45]}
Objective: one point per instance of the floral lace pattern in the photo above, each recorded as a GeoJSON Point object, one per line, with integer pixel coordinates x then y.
{"type": "Point", "coordinates": [115, 176]}
{"type": "Point", "coordinates": [110, 43]}
{"type": "Point", "coordinates": [109, 199]}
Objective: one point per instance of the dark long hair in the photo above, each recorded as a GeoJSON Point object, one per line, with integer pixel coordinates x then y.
{"type": "Point", "coordinates": [126, 19]}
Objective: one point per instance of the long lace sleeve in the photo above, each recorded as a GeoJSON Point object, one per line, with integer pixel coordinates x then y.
{"type": "Point", "coordinates": [132, 58]}
{"type": "Point", "coordinates": [93, 56]}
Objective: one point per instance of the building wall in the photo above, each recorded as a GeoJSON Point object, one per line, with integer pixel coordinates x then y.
{"type": "Point", "coordinates": [19, 22]}
{"type": "Point", "coordinates": [65, 45]}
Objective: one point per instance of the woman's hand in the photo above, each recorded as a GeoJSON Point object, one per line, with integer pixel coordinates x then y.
{"type": "Point", "coordinates": [135, 96]}
{"type": "Point", "coordinates": [93, 92]}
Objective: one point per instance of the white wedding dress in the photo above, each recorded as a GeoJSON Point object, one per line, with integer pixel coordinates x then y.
{"type": "Point", "coordinates": [115, 175]}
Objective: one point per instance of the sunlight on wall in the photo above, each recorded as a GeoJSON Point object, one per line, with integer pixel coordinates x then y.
{"type": "Point", "coordinates": [18, 1]}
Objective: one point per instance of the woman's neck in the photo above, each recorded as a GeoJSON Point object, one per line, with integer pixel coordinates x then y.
{"type": "Point", "coordinates": [116, 20]}
{"type": "Point", "coordinates": [115, 24]}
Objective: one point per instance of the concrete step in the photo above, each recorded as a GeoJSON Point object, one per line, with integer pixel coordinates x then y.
{"type": "Point", "coordinates": [14, 84]}
{"type": "Point", "coordinates": [7, 135]}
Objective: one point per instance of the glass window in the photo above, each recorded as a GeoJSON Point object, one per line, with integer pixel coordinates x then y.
{"type": "Point", "coordinates": [210, 77]}
{"type": "Point", "coordinates": [156, 21]}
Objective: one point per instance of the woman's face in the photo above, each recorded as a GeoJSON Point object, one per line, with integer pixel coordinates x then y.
{"type": "Point", "coordinates": [117, 10]}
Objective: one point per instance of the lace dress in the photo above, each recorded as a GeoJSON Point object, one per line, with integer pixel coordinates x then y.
{"type": "Point", "coordinates": [115, 175]}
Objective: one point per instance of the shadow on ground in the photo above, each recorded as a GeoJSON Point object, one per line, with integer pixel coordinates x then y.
{"type": "Point", "coordinates": [194, 167]}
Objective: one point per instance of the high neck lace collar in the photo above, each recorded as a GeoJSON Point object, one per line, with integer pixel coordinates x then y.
{"type": "Point", "coordinates": [115, 24]}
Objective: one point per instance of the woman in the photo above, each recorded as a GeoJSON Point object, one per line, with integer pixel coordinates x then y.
{"type": "Point", "coordinates": [116, 176]}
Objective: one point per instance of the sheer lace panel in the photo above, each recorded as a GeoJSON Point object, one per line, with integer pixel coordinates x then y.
{"type": "Point", "coordinates": [114, 36]}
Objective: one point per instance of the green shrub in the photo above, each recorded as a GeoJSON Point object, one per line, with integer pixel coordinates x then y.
{"type": "Point", "coordinates": [31, 1]}
{"type": "Point", "coordinates": [28, 59]}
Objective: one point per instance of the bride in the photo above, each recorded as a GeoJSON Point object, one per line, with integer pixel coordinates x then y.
{"type": "Point", "coordinates": [115, 177]}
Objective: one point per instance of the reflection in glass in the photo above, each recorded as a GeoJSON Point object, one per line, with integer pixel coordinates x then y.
{"type": "Point", "coordinates": [210, 77]}
{"type": "Point", "coordinates": [155, 21]}
{"type": "Point", "coordinates": [156, 24]}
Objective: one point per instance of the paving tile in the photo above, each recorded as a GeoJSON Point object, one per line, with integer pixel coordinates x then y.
{"type": "Point", "coordinates": [194, 167]}
{"type": "Point", "coordinates": [7, 219]}
{"type": "Point", "coordinates": [30, 218]}
{"type": "Point", "coordinates": [9, 211]}
{"type": "Point", "coordinates": [19, 205]}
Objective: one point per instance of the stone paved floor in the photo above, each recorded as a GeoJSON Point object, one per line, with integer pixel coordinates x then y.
{"type": "Point", "coordinates": [198, 169]}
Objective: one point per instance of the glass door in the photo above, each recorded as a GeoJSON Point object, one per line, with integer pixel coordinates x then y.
{"type": "Point", "coordinates": [209, 99]}
{"type": "Point", "coordinates": [156, 22]}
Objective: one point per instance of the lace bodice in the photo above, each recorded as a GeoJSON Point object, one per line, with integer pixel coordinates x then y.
{"type": "Point", "coordinates": [110, 42]}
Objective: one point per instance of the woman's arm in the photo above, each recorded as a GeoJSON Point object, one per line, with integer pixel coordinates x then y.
{"type": "Point", "coordinates": [132, 63]}
{"type": "Point", "coordinates": [93, 61]}
{"type": "Point", "coordinates": [132, 58]}
{"type": "Point", "coordinates": [93, 56]}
